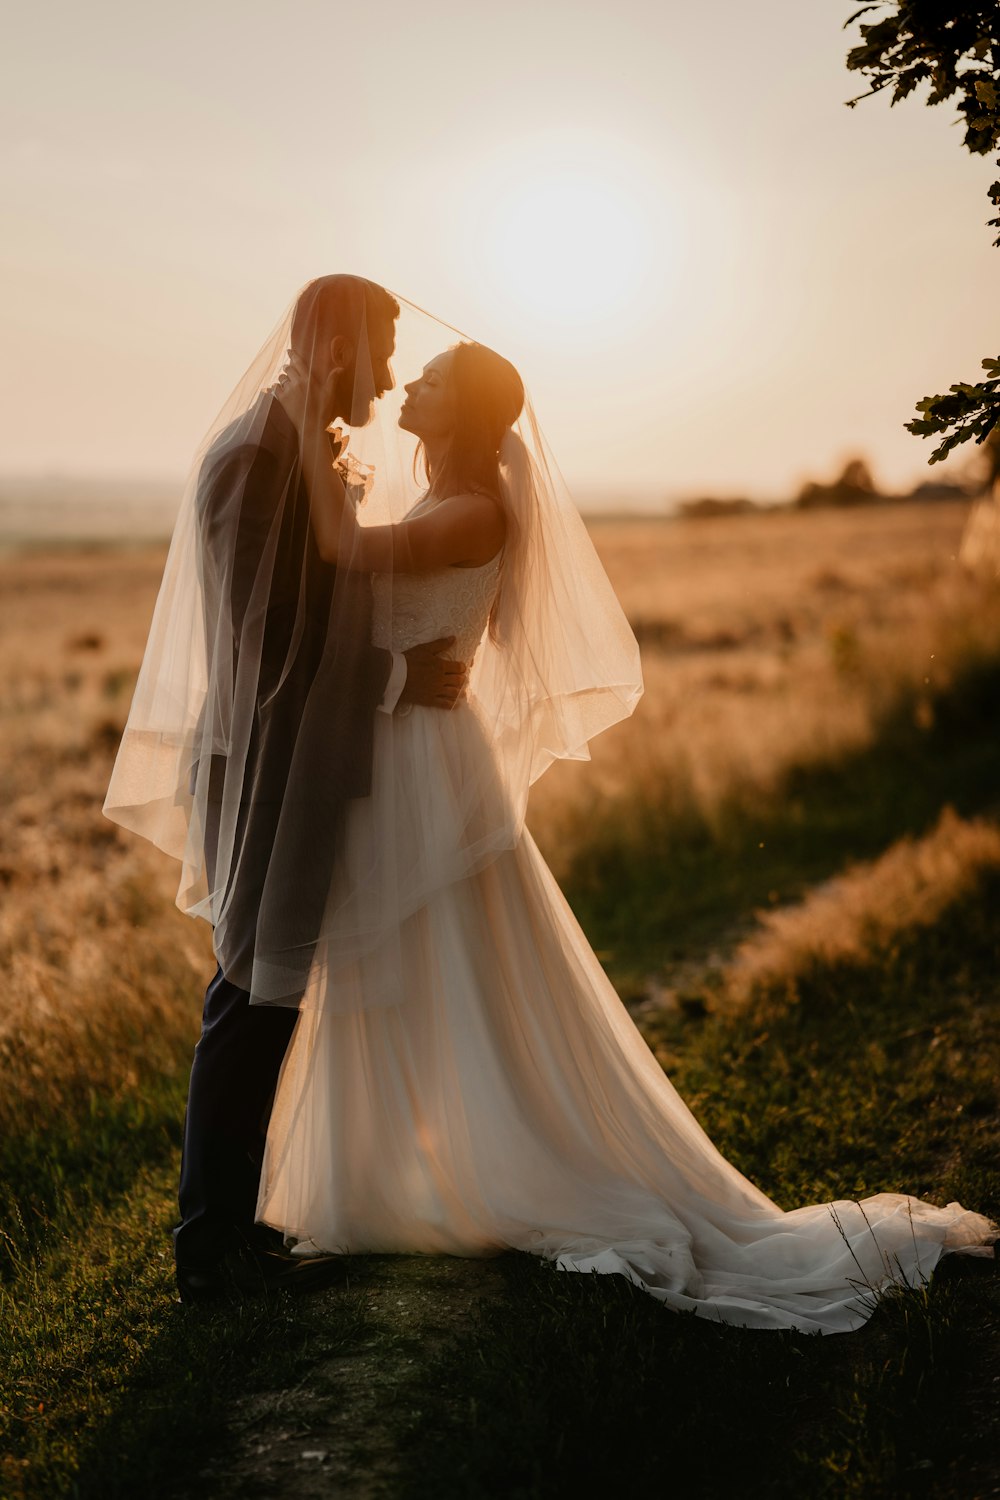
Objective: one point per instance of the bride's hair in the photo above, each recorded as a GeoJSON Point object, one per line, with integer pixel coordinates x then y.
{"type": "Point", "coordinates": [489, 395]}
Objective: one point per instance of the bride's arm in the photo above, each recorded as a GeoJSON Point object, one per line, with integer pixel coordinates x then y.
{"type": "Point", "coordinates": [465, 529]}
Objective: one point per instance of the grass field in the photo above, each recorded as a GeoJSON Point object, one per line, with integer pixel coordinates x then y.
{"type": "Point", "coordinates": [790, 864]}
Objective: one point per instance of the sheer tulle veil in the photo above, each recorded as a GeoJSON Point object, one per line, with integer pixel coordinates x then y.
{"type": "Point", "coordinates": [259, 655]}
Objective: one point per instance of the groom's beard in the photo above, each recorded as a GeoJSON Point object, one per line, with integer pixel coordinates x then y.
{"type": "Point", "coordinates": [356, 399]}
{"type": "Point", "coordinates": [362, 412]}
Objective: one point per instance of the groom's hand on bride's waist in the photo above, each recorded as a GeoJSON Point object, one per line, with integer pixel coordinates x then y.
{"type": "Point", "coordinates": [432, 680]}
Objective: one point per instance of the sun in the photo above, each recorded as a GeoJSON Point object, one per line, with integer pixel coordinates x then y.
{"type": "Point", "coordinates": [571, 243]}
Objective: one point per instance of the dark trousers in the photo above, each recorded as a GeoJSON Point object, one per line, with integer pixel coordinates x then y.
{"type": "Point", "coordinates": [233, 1078]}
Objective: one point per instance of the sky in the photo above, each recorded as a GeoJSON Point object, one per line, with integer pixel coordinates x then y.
{"type": "Point", "coordinates": [714, 277]}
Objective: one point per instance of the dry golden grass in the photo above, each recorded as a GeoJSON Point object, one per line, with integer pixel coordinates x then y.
{"type": "Point", "coordinates": [101, 972]}
{"type": "Point", "coordinates": [767, 640]}
{"type": "Point", "coordinates": [851, 917]}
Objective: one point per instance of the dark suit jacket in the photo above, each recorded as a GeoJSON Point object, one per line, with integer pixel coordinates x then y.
{"type": "Point", "coordinates": [315, 683]}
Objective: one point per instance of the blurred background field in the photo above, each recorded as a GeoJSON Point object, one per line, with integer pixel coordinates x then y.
{"type": "Point", "coordinates": [788, 861]}
{"type": "Point", "coordinates": [774, 638]}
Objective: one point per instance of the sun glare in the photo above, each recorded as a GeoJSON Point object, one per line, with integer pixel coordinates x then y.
{"type": "Point", "coordinates": [570, 242]}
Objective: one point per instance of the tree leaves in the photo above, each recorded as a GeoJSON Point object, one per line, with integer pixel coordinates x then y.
{"type": "Point", "coordinates": [955, 48]}
{"type": "Point", "coordinates": [968, 411]}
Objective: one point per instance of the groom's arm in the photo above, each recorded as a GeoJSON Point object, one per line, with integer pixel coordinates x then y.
{"type": "Point", "coordinates": [433, 679]}
{"type": "Point", "coordinates": [395, 683]}
{"type": "Point", "coordinates": [423, 675]}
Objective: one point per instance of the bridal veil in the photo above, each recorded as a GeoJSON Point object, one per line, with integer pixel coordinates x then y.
{"type": "Point", "coordinates": [250, 731]}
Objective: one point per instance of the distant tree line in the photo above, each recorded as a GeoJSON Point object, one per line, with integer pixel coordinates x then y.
{"type": "Point", "coordinates": [854, 486]}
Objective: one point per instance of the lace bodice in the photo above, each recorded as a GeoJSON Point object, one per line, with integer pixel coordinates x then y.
{"type": "Point", "coordinates": [414, 607]}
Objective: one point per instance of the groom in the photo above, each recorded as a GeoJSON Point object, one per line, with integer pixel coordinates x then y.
{"type": "Point", "coordinates": [252, 502]}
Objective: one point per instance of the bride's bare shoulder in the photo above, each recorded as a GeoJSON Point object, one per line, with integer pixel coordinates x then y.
{"type": "Point", "coordinates": [480, 507]}
{"type": "Point", "coordinates": [474, 521]}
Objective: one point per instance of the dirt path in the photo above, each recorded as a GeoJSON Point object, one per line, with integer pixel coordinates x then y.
{"type": "Point", "coordinates": [333, 1432]}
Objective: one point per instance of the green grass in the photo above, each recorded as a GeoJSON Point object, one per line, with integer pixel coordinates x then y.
{"type": "Point", "coordinates": [582, 1386]}
{"type": "Point", "coordinates": [58, 1170]}
{"type": "Point", "coordinates": [857, 1079]}
{"type": "Point", "coordinates": [110, 1387]}
{"type": "Point", "coordinates": [654, 881]}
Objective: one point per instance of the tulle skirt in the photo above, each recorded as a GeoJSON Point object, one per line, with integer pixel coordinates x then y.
{"type": "Point", "coordinates": [508, 1102]}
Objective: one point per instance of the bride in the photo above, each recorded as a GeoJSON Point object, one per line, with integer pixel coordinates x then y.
{"type": "Point", "coordinates": [462, 1078]}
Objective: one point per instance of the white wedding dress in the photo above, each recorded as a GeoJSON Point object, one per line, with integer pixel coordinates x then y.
{"type": "Point", "coordinates": [508, 1101]}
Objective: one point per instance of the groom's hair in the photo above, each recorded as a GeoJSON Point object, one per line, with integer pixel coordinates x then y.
{"type": "Point", "coordinates": [333, 305]}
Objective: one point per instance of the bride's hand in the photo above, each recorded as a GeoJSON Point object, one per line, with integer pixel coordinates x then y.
{"type": "Point", "coordinates": [338, 440]}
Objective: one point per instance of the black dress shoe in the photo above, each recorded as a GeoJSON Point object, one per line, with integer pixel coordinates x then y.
{"type": "Point", "coordinates": [263, 1237]}
{"type": "Point", "coordinates": [260, 1271]}
{"type": "Point", "coordinates": [204, 1283]}
{"type": "Point", "coordinates": [252, 1272]}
